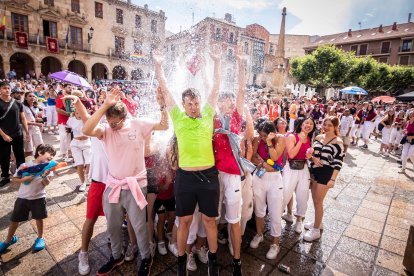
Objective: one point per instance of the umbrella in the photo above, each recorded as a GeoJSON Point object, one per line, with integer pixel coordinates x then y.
{"type": "Point", "coordinates": [354, 90]}
{"type": "Point", "coordinates": [70, 77]}
{"type": "Point", "coordinates": [407, 97]}
{"type": "Point", "coordinates": [384, 99]}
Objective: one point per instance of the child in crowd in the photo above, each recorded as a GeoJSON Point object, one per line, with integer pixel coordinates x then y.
{"type": "Point", "coordinates": [31, 198]}
{"type": "Point", "coordinates": [345, 126]}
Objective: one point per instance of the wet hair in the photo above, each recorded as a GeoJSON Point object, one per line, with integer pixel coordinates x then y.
{"type": "Point", "coordinates": [43, 148]}
{"type": "Point", "coordinates": [191, 93]}
{"type": "Point", "coordinates": [335, 122]}
{"type": "Point", "coordinates": [298, 126]}
{"type": "Point", "coordinates": [119, 110]}
{"type": "Point", "coordinates": [259, 124]}
{"type": "Point", "coordinates": [4, 83]}
{"type": "Point", "coordinates": [226, 95]}
{"type": "Point", "coordinates": [267, 127]}
{"type": "Point", "coordinates": [275, 122]}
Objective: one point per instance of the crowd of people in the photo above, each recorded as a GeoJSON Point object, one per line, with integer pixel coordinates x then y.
{"type": "Point", "coordinates": [232, 156]}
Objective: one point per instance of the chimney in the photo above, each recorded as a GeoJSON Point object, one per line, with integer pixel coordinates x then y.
{"type": "Point", "coordinates": [228, 17]}
{"type": "Point", "coordinates": [350, 32]}
{"type": "Point", "coordinates": [394, 26]}
{"type": "Point", "coordinates": [380, 30]}
{"type": "Point", "coordinates": [409, 17]}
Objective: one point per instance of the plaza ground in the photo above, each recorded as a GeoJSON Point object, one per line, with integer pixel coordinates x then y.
{"type": "Point", "coordinates": [367, 219]}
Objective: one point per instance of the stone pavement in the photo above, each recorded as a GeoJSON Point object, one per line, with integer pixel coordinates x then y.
{"type": "Point", "coordinates": [367, 217]}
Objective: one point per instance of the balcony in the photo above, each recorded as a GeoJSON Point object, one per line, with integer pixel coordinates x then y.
{"type": "Point", "coordinates": [377, 51]}
{"type": "Point", "coordinates": [405, 50]}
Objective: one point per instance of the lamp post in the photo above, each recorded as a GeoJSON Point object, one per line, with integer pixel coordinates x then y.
{"type": "Point", "coordinates": [74, 54]}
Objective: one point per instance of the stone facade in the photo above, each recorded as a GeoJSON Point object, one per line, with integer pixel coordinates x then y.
{"type": "Point", "coordinates": [293, 45]}
{"type": "Point", "coordinates": [120, 30]}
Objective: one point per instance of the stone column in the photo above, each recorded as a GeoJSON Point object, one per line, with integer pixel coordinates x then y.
{"type": "Point", "coordinates": [89, 75]}
{"type": "Point", "coordinates": [109, 75]}
{"type": "Point", "coordinates": [6, 67]}
{"type": "Point", "coordinates": [38, 69]}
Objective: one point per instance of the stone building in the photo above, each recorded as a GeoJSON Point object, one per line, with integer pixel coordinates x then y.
{"type": "Point", "coordinates": [104, 39]}
{"type": "Point", "coordinates": [391, 44]}
{"type": "Point", "coordinates": [293, 44]}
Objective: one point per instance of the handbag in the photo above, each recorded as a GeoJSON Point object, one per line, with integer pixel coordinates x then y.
{"type": "Point", "coordinates": [296, 164]}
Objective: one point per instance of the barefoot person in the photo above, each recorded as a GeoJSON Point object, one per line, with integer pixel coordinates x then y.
{"type": "Point", "coordinates": [126, 181]}
{"type": "Point", "coordinates": [197, 178]}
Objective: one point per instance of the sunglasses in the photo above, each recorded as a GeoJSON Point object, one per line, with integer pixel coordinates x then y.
{"type": "Point", "coordinates": [114, 125]}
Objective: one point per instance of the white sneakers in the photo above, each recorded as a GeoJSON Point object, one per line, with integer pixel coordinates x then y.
{"type": "Point", "coordinates": [201, 254]}
{"type": "Point", "coordinates": [161, 248]}
{"type": "Point", "coordinates": [173, 249]}
{"type": "Point", "coordinates": [83, 267]}
{"type": "Point", "coordinates": [82, 187]}
{"type": "Point", "coordinates": [256, 241]}
{"type": "Point", "coordinates": [273, 251]}
{"type": "Point", "coordinates": [191, 264]}
{"type": "Point", "coordinates": [312, 235]}
{"type": "Point", "coordinates": [131, 252]}
{"type": "Point", "coordinates": [298, 226]}
{"type": "Point", "coordinates": [288, 217]}
{"type": "Point", "coordinates": [309, 226]}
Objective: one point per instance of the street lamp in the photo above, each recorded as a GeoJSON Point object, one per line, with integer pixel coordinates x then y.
{"type": "Point", "coordinates": [74, 54]}
{"type": "Point", "coordinates": [90, 34]}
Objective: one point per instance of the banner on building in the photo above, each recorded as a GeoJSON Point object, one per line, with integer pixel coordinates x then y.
{"type": "Point", "coordinates": [52, 45]}
{"type": "Point", "coordinates": [22, 40]}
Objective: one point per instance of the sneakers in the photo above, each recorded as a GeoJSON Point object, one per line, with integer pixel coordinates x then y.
{"type": "Point", "coordinates": [82, 187]}
{"type": "Point", "coordinates": [237, 271]}
{"type": "Point", "coordinates": [312, 235]}
{"type": "Point", "coordinates": [4, 181]}
{"type": "Point", "coordinates": [309, 226]}
{"type": "Point", "coordinates": [191, 264]}
{"type": "Point", "coordinates": [172, 247]}
{"type": "Point", "coordinates": [83, 267]}
{"type": "Point", "coordinates": [273, 251]}
{"type": "Point", "coordinates": [153, 247]}
{"type": "Point", "coordinates": [131, 252]}
{"type": "Point", "coordinates": [288, 217]}
{"type": "Point", "coordinates": [201, 254]}
{"type": "Point", "coordinates": [39, 244]}
{"type": "Point", "coordinates": [222, 236]}
{"type": "Point", "coordinates": [298, 226]}
{"type": "Point", "coordinates": [212, 266]}
{"type": "Point", "coordinates": [364, 147]}
{"type": "Point", "coordinates": [5, 245]}
{"type": "Point", "coordinates": [110, 265]}
{"type": "Point", "coordinates": [161, 248]}
{"type": "Point", "coordinates": [145, 267]}
{"type": "Point", "coordinates": [256, 241]}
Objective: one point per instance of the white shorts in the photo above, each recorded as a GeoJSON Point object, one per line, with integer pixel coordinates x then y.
{"type": "Point", "coordinates": [35, 139]}
{"type": "Point", "coordinates": [230, 196]}
{"type": "Point", "coordinates": [81, 151]}
{"type": "Point", "coordinates": [268, 194]}
{"type": "Point", "coordinates": [386, 135]}
{"type": "Point", "coordinates": [51, 115]}
{"type": "Point", "coordinates": [247, 206]}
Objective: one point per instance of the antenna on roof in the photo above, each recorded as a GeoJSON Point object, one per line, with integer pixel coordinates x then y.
{"type": "Point", "coordinates": [360, 24]}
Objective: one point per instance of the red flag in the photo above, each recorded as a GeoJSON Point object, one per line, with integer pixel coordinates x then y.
{"type": "Point", "coordinates": [21, 40]}
{"type": "Point", "coordinates": [52, 45]}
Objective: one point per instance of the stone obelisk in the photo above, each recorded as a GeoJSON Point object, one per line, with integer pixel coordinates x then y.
{"type": "Point", "coordinates": [280, 62]}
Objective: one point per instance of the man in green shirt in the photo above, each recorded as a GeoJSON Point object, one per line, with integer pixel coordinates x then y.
{"type": "Point", "coordinates": [197, 178]}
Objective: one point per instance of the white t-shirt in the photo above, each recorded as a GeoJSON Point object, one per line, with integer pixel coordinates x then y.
{"type": "Point", "coordinates": [29, 114]}
{"type": "Point", "coordinates": [76, 126]}
{"type": "Point", "coordinates": [99, 161]}
{"type": "Point", "coordinates": [345, 124]}
{"type": "Point", "coordinates": [35, 189]}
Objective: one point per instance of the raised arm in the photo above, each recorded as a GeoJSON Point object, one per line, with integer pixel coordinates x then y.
{"type": "Point", "coordinates": [242, 82]}
{"type": "Point", "coordinates": [91, 127]}
{"type": "Point", "coordinates": [160, 75]}
{"type": "Point", "coordinates": [215, 90]}
{"type": "Point", "coordinates": [163, 124]}
{"type": "Point", "coordinates": [80, 108]}
{"type": "Point", "coordinates": [249, 133]}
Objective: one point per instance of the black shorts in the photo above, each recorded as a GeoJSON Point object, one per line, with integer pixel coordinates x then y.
{"type": "Point", "coordinates": [322, 175]}
{"type": "Point", "coordinates": [152, 186]}
{"type": "Point", "coordinates": [22, 208]}
{"type": "Point", "coordinates": [197, 187]}
{"type": "Point", "coordinates": [168, 204]}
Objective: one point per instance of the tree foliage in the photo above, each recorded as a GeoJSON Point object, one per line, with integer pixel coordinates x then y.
{"type": "Point", "coordinates": [329, 66]}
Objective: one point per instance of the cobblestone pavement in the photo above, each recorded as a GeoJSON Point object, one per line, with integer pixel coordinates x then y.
{"type": "Point", "coordinates": [367, 217]}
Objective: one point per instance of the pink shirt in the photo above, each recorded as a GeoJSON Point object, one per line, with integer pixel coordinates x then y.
{"type": "Point", "coordinates": [125, 148]}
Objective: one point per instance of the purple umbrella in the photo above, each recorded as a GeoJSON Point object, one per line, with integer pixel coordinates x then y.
{"type": "Point", "coordinates": [70, 77]}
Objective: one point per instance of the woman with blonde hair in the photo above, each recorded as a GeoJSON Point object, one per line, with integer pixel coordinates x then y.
{"type": "Point", "coordinates": [326, 162]}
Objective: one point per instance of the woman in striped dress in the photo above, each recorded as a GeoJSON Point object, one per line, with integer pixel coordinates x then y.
{"type": "Point", "coordinates": [326, 162]}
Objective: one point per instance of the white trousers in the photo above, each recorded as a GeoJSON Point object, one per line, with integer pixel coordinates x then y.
{"type": "Point", "coordinates": [230, 197]}
{"type": "Point", "coordinates": [51, 115]}
{"type": "Point", "coordinates": [247, 207]}
{"type": "Point", "coordinates": [367, 129]}
{"type": "Point", "coordinates": [268, 193]}
{"type": "Point", "coordinates": [35, 139]}
{"type": "Point", "coordinates": [64, 139]}
{"type": "Point", "coordinates": [297, 181]}
{"type": "Point", "coordinates": [396, 136]}
{"type": "Point", "coordinates": [407, 153]}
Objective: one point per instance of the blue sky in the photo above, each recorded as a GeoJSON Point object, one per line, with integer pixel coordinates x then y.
{"type": "Point", "coordinates": [310, 17]}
